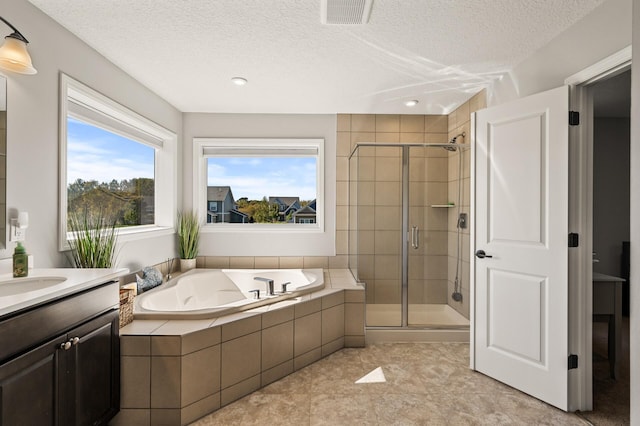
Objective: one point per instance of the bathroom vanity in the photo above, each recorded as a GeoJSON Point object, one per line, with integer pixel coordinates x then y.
{"type": "Point", "coordinates": [59, 361]}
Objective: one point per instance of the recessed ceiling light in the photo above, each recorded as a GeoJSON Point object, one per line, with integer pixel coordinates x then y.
{"type": "Point", "coordinates": [239, 81]}
{"type": "Point", "coordinates": [411, 103]}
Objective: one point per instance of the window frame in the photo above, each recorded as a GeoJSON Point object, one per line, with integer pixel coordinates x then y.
{"type": "Point", "coordinates": [93, 108]}
{"type": "Point", "coordinates": [257, 239]}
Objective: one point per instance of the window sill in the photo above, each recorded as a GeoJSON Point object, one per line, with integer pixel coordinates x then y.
{"type": "Point", "coordinates": [261, 228]}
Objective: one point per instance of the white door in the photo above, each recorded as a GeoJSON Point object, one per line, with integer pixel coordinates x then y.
{"type": "Point", "coordinates": [521, 216]}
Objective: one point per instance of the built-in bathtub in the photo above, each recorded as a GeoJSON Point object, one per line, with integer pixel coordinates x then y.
{"type": "Point", "coordinates": [211, 293]}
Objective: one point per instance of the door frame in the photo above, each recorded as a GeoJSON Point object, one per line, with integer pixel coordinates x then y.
{"type": "Point", "coordinates": [581, 222]}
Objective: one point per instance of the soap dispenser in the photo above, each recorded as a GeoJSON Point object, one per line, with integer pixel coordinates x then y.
{"type": "Point", "coordinates": [20, 261]}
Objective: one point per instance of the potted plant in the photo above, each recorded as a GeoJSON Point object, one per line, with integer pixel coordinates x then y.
{"type": "Point", "coordinates": [93, 240]}
{"type": "Point", "coordinates": [188, 239]}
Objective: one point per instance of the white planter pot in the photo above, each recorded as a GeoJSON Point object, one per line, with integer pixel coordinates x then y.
{"type": "Point", "coordinates": [187, 264]}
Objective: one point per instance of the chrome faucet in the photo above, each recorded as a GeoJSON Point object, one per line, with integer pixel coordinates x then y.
{"type": "Point", "coordinates": [269, 282]}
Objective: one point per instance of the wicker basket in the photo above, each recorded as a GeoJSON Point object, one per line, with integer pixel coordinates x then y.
{"type": "Point", "coordinates": [126, 306]}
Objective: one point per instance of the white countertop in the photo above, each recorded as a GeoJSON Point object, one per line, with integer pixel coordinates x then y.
{"type": "Point", "coordinates": [75, 280]}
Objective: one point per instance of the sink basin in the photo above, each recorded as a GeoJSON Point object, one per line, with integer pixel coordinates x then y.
{"type": "Point", "coordinates": [24, 285]}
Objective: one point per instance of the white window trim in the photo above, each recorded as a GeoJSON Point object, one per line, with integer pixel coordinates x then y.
{"type": "Point", "coordinates": [230, 239]}
{"type": "Point", "coordinates": [118, 120]}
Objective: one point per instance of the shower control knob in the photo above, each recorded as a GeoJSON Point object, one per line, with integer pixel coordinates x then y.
{"type": "Point", "coordinates": [480, 254]}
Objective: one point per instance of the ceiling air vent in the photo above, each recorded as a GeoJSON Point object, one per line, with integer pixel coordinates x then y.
{"type": "Point", "coordinates": [345, 12]}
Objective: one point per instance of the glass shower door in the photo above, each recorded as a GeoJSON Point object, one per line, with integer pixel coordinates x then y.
{"type": "Point", "coordinates": [379, 217]}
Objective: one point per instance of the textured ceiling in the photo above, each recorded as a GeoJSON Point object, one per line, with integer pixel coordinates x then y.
{"type": "Point", "coordinates": [439, 52]}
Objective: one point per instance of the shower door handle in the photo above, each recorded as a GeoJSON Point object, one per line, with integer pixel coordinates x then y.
{"type": "Point", "coordinates": [415, 237]}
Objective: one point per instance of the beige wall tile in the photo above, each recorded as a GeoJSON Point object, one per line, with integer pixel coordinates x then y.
{"type": "Point", "coordinates": [436, 124]}
{"type": "Point", "coordinates": [339, 262]}
{"type": "Point", "coordinates": [342, 168]}
{"type": "Point", "coordinates": [165, 382]}
{"type": "Point", "coordinates": [436, 291]}
{"type": "Point", "coordinates": [412, 138]}
{"type": "Point", "coordinates": [342, 193]}
{"type": "Point", "coordinates": [366, 169]}
{"type": "Point", "coordinates": [195, 341]}
{"type": "Point", "coordinates": [241, 327]}
{"type": "Point", "coordinates": [343, 123]}
{"type": "Point", "coordinates": [387, 123]}
{"type": "Point", "coordinates": [277, 372]}
{"type": "Point", "coordinates": [462, 114]}
{"type": "Point", "coordinates": [388, 137]}
{"type": "Point", "coordinates": [217, 262]}
{"type": "Point", "coordinates": [342, 243]}
{"type": "Point", "coordinates": [135, 345]}
{"type": "Point", "coordinates": [416, 194]}
{"type": "Point", "coordinates": [291, 262]}
{"type": "Point", "coordinates": [388, 291]}
{"type": "Point", "coordinates": [343, 144]}
{"type": "Point", "coordinates": [200, 375]}
{"type": "Point", "coordinates": [240, 359]}
{"type": "Point", "coordinates": [332, 323]}
{"type": "Point", "coordinates": [363, 137]}
{"type": "Point", "coordinates": [416, 291]}
{"type": "Point", "coordinates": [354, 319]}
{"type": "Point", "coordinates": [307, 308]}
{"type": "Point", "coordinates": [277, 316]}
{"type": "Point", "coordinates": [239, 390]}
{"type": "Point", "coordinates": [435, 267]}
{"type": "Point", "coordinates": [277, 345]}
{"type": "Point", "coordinates": [354, 296]}
{"type": "Point", "coordinates": [412, 123]}
{"type": "Point", "coordinates": [165, 417]}
{"type": "Point", "coordinates": [387, 169]}
{"type": "Point", "coordinates": [315, 262]}
{"type": "Point", "coordinates": [165, 345]}
{"type": "Point", "coordinates": [135, 378]}
{"type": "Point", "coordinates": [307, 333]}
{"type": "Point", "coordinates": [388, 193]}
{"type": "Point", "coordinates": [307, 358]}
{"type": "Point", "coordinates": [363, 123]}
{"type": "Point", "coordinates": [435, 242]}
{"type": "Point", "coordinates": [267, 262]}
{"type": "Point", "coordinates": [416, 169]}
{"type": "Point", "coordinates": [436, 193]}
{"type": "Point", "coordinates": [387, 242]}
{"type": "Point", "coordinates": [332, 347]}
{"type": "Point", "coordinates": [436, 218]}
{"type": "Point", "coordinates": [437, 169]}
{"type": "Point", "coordinates": [436, 138]}
{"type": "Point", "coordinates": [241, 262]}
{"type": "Point", "coordinates": [365, 194]}
{"type": "Point", "coordinates": [387, 218]}
{"type": "Point", "coordinates": [334, 299]}
{"type": "Point", "coordinates": [199, 409]}
{"type": "Point", "coordinates": [342, 218]}
{"type": "Point", "coordinates": [354, 342]}
{"type": "Point", "coordinates": [387, 267]}
{"type": "Point", "coordinates": [453, 120]}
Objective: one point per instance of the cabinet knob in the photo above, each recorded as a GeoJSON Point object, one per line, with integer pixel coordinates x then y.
{"type": "Point", "coordinates": [75, 341]}
{"type": "Point", "coordinates": [66, 346]}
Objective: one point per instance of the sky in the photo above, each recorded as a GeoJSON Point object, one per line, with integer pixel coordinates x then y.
{"type": "Point", "coordinates": [258, 177]}
{"type": "Point", "coordinates": [96, 154]}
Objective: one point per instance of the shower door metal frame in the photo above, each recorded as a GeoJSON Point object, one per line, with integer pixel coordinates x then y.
{"type": "Point", "coordinates": [404, 284]}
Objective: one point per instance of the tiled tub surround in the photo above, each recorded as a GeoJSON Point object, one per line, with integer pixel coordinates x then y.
{"type": "Point", "coordinates": [176, 371]}
{"type": "Point", "coordinates": [211, 293]}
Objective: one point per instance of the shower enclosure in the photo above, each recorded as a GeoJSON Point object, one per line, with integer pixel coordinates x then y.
{"type": "Point", "coordinates": [401, 204]}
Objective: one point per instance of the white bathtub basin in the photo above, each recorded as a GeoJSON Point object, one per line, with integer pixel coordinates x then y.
{"type": "Point", "coordinates": [24, 285]}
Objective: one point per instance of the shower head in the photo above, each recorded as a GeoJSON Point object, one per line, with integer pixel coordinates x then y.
{"type": "Point", "coordinates": [453, 141]}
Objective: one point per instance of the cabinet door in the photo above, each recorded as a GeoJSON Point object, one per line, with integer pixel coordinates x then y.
{"type": "Point", "coordinates": [29, 391]}
{"type": "Point", "coordinates": [94, 371]}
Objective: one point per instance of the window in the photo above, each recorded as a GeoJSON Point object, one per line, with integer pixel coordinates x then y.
{"type": "Point", "coordinates": [114, 162]}
{"type": "Point", "coordinates": [260, 186]}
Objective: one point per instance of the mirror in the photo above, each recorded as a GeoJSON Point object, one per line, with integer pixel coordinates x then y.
{"type": "Point", "coordinates": [3, 161]}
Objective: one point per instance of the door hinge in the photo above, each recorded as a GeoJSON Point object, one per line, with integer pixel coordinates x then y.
{"type": "Point", "coordinates": [574, 240]}
{"type": "Point", "coordinates": [574, 118]}
{"type": "Point", "coordinates": [573, 362]}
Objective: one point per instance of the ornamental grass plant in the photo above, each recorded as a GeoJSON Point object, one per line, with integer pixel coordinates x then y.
{"type": "Point", "coordinates": [188, 234]}
{"type": "Point", "coordinates": [93, 240]}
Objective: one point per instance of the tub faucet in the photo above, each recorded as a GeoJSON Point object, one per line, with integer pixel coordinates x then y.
{"type": "Point", "coordinates": [269, 282]}
{"type": "Point", "coordinates": [284, 287]}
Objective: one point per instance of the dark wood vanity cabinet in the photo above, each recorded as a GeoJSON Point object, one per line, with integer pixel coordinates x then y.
{"type": "Point", "coordinates": [72, 376]}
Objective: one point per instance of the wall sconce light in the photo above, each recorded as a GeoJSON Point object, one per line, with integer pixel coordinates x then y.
{"type": "Point", "coordinates": [13, 53]}
{"type": "Point", "coordinates": [19, 226]}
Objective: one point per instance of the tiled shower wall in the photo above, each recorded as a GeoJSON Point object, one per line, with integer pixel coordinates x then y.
{"type": "Point", "coordinates": [379, 213]}
{"type": "Point", "coordinates": [459, 121]}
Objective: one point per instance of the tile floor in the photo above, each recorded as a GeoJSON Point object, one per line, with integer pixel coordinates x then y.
{"type": "Point", "coordinates": [426, 384]}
